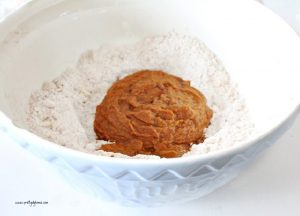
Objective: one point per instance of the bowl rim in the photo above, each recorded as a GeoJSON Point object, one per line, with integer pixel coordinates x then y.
{"type": "Point", "coordinates": [16, 133]}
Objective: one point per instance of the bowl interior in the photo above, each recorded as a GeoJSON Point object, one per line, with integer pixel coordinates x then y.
{"type": "Point", "coordinates": [258, 49]}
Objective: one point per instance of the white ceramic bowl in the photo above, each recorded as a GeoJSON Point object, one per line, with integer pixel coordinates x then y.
{"type": "Point", "coordinates": [258, 49]}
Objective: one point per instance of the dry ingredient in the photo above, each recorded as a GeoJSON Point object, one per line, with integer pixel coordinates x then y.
{"type": "Point", "coordinates": [63, 110]}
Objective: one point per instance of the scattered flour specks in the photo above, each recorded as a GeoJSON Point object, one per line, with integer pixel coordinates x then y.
{"type": "Point", "coordinates": [63, 110]}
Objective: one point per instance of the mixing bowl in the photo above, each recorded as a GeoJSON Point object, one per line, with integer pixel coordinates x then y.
{"type": "Point", "coordinates": [258, 49]}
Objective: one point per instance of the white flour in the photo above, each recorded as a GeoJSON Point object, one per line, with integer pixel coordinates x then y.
{"type": "Point", "coordinates": [63, 110]}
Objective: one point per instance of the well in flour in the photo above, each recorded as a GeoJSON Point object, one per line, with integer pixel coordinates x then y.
{"type": "Point", "coordinates": [63, 110]}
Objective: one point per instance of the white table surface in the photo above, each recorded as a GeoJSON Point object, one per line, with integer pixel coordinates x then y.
{"type": "Point", "coordinates": [266, 187]}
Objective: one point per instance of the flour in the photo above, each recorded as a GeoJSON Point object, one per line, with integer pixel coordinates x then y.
{"type": "Point", "coordinates": [63, 110]}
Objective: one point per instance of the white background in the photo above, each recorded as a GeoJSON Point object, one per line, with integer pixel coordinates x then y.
{"type": "Point", "coordinates": [269, 186]}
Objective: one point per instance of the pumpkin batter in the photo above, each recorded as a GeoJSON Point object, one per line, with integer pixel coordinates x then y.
{"type": "Point", "coordinates": [152, 112]}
